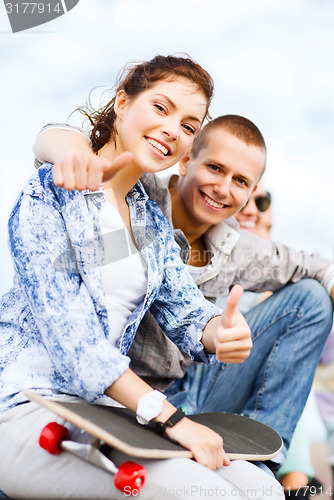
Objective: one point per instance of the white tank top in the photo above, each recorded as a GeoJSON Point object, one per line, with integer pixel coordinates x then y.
{"type": "Point", "coordinates": [124, 271]}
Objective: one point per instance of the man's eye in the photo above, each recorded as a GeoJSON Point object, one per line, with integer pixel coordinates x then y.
{"type": "Point", "coordinates": [241, 181]}
{"type": "Point", "coordinates": [214, 167]}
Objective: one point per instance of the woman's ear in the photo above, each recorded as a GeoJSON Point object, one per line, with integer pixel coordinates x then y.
{"type": "Point", "coordinates": [121, 101]}
{"type": "Point", "coordinates": [183, 164]}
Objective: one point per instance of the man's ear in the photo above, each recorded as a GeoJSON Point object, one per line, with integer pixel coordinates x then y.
{"type": "Point", "coordinates": [121, 101]}
{"type": "Point", "coordinates": [183, 164]}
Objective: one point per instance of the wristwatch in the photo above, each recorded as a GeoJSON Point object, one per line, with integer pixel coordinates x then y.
{"type": "Point", "coordinates": [149, 406]}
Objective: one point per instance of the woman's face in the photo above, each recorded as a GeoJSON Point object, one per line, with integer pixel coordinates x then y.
{"type": "Point", "coordinates": [159, 125]}
{"type": "Point", "coordinates": [254, 220]}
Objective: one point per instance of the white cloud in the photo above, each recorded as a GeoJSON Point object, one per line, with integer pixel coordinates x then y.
{"type": "Point", "coordinates": [61, 49]}
{"type": "Point", "coordinates": [265, 70]}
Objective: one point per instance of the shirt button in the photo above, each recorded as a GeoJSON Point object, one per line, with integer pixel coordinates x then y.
{"type": "Point", "coordinates": [228, 235]}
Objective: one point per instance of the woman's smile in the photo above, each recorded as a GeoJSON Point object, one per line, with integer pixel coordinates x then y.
{"type": "Point", "coordinates": [159, 148]}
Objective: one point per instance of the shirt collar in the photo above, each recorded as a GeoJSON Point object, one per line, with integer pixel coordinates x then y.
{"type": "Point", "coordinates": [224, 235]}
{"type": "Point", "coordinates": [137, 192]}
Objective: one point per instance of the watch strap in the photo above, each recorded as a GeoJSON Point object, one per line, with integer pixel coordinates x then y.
{"type": "Point", "coordinates": [160, 427]}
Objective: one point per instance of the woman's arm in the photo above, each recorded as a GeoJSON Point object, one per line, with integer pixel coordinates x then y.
{"type": "Point", "coordinates": [206, 445]}
{"type": "Point", "coordinates": [76, 166]}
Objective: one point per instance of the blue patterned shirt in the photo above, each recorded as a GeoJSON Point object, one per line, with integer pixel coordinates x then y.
{"type": "Point", "coordinates": [54, 334]}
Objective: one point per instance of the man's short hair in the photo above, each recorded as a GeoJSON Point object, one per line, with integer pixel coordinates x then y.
{"type": "Point", "coordinates": [239, 126]}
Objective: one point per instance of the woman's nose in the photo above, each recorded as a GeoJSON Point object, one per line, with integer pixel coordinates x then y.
{"type": "Point", "coordinates": [171, 130]}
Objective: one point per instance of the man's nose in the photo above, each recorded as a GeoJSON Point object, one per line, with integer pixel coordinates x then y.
{"type": "Point", "coordinates": [223, 187]}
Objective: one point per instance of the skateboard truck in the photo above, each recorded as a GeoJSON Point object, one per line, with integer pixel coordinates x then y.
{"type": "Point", "coordinates": [129, 476]}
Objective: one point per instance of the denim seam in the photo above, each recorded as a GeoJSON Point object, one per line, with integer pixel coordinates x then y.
{"type": "Point", "coordinates": [259, 393]}
{"type": "Point", "coordinates": [264, 380]}
{"type": "Point", "coordinates": [298, 313]}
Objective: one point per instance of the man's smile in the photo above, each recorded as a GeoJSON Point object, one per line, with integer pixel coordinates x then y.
{"type": "Point", "coordinates": [212, 203]}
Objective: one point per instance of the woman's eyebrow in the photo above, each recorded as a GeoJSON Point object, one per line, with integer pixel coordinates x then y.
{"type": "Point", "coordinates": [173, 105]}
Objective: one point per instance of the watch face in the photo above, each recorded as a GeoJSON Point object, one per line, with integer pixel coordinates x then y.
{"type": "Point", "coordinates": [152, 403]}
{"type": "Point", "coordinates": [149, 406]}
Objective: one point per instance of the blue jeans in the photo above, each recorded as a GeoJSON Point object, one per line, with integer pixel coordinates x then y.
{"type": "Point", "coordinates": [289, 330]}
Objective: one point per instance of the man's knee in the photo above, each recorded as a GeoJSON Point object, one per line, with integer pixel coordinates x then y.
{"type": "Point", "coordinates": [315, 299]}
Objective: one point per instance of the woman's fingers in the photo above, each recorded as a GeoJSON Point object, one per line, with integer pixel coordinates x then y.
{"type": "Point", "coordinates": [86, 170]}
{"type": "Point", "coordinates": [115, 166]}
{"type": "Point", "coordinates": [205, 444]}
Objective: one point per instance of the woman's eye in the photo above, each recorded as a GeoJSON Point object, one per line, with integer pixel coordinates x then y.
{"type": "Point", "coordinates": [160, 108]}
{"type": "Point", "coordinates": [189, 129]}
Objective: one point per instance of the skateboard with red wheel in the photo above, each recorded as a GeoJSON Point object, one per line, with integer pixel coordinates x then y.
{"type": "Point", "coordinates": [55, 438]}
{"type": "Point", "coordinates": [117, 428]}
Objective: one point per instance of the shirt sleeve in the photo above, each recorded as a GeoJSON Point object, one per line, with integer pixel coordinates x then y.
{"type": "Point", "coordinates": [181, 309]}
{"type": "Point", "coordinates": [61, 126]}
{"type": "Point", "coordinates": [70, 326]}
{"type": "Point", "coordinates": [268, 265]}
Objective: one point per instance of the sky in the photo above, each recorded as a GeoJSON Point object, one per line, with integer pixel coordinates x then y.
{"type": "Point", "coordinates": [271, 60]}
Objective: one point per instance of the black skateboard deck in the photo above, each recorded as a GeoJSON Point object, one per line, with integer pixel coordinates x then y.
{"type": "Point", "coordinates": [243, 437]}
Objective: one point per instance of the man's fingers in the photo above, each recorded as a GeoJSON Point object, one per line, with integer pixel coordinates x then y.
{"type": "Point", "coordinates": [234, 352]}
{"type": "Point", "coordinates": [228, 314]}
{"type": "Point", "coordinates": [58, 177]}
{"type": "Point", "coordinates": [113, 167]}
{"type": "Point", "coordinates": [240, 332]}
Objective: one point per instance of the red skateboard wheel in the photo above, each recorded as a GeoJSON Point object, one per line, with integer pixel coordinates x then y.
{"type": "Point", "coordinates": [130, 477]}
{"type": "Point", "coordinates": [51, 437]}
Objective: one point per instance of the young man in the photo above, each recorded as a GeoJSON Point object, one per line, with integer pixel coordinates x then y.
{"type": "Point", "coordinates": [289, 329]}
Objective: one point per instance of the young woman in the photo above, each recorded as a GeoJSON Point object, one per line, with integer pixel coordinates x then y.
{"type": "Point", "coordinates": [86, 270]}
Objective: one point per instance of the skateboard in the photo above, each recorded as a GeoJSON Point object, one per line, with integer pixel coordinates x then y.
{"type": "Point", "coordinates": [117, 428]}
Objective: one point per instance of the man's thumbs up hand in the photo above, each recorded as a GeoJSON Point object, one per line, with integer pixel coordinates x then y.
{"type": "Point", "coordinates": [230, 312]}
{"type": "Point", "coordinates": [233, 336]}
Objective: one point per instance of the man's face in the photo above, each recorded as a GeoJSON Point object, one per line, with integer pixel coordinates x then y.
{"type": "Point", "coordinates": [218, 182]}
